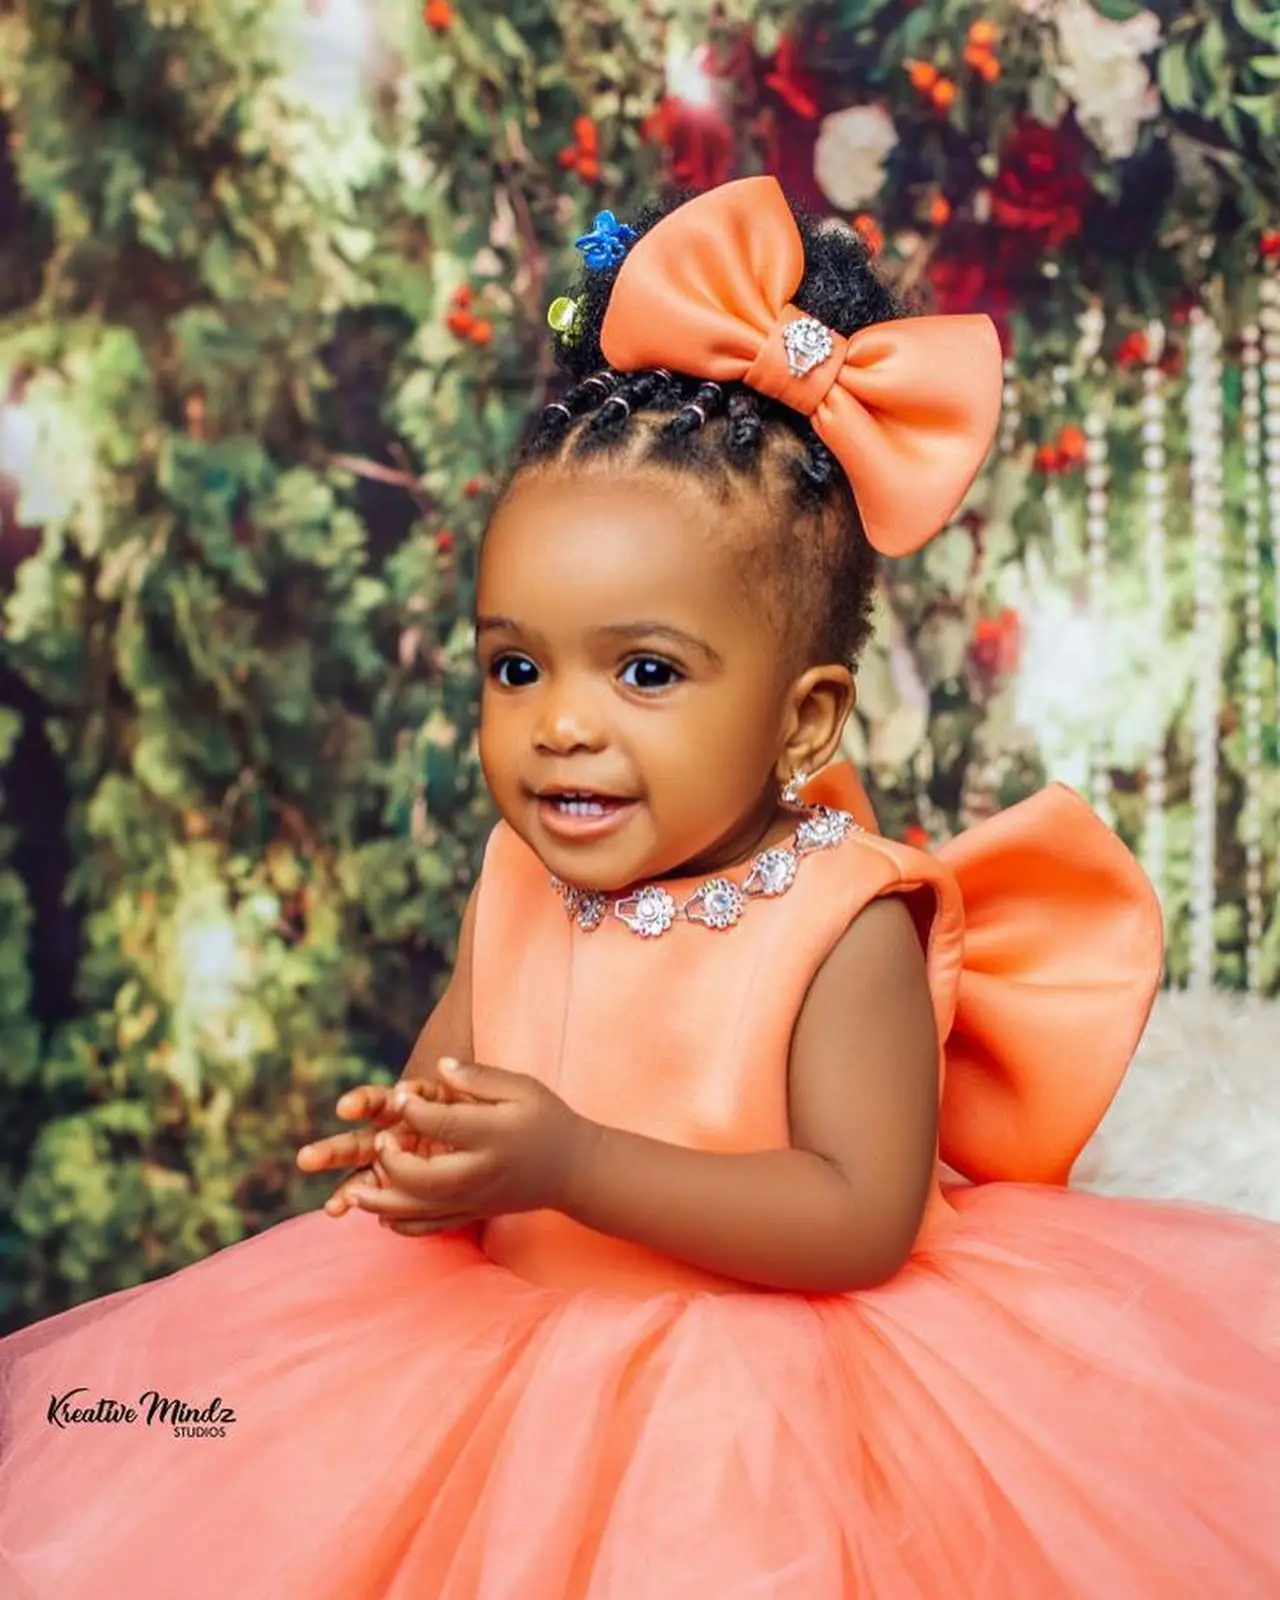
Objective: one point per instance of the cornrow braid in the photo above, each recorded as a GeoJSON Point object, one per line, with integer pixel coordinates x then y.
{"type": "Point", "coordinates": [707, 402]}
{"type": "Point", "coordinates": [818, 567]}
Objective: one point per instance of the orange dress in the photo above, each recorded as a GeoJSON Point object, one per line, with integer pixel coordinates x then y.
{"type": "Point", "coordinates": [1060, 1395]}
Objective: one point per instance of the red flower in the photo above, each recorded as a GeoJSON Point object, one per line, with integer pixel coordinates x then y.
{"type": "Point", "coordinates": [698, 141]}
{"type": "Point", "coordinates": [997, 643]}
{"type": "Point", "coordinates": [1133, 350]}
{"type": "Point", "coordinates": [969, 278]}
{"type": "Point", "coordinates": [1041, 188]}
{"type": "Point", "coordinates": [795, 87]}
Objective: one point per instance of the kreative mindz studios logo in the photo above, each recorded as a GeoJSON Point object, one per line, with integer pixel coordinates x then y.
{"type": "Point", "coordinates": [211, 1421]}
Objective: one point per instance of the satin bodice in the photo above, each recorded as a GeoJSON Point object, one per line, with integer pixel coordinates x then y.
{"type": "Point", "coordinates": [686, 1037]}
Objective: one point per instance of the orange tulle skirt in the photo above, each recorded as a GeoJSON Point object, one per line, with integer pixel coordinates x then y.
{"type": "Point", "coordinates": [1069, 1396]}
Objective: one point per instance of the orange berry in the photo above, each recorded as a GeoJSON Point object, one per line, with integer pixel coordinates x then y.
{"type": "Point", "coordinates": [568, 157]}
{"type": "Point", "coordinates": [480, 332]}
{"type": "Point", "coordinates": [988, 69]}
{"type": "Point", "coordinates": [588, 168]}
{"type": "Point", "coordinates": [584, 131]}
{"type": "Point", "coordinates": [461, 297]}
{"type": "Point", "coordinates": [939, 210]}
{"type": "Point", "coordinates": [437, 14]}
{"type": "Point", "coordinates": [983, 33]}
{"type": "Point", "coordinates": [460, 322]}
{"type": "Point", "coordinates": [1071, 444]}
{"type": "Point", "coordinates": [868, 230]}
{"type": "Point", "coordinates": [943, 94]}
{"type": "Point", "coordinates": [1046, 459]}
{"type": "Point", "coordinates": [923, 76]}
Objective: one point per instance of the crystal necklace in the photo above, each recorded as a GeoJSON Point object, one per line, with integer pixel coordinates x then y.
{"type": "Point", "coordinates": [718, 902]}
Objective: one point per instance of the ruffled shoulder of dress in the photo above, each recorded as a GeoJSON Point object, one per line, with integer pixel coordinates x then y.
{"type": "Point", "coordinates": [1046, 952]}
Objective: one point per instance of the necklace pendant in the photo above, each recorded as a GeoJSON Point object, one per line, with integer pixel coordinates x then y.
{"type": "Point", "coordinates": [650, 912]}
{"type": "Point", "coordinates": [718, 903]}
{"type": "Point", "coordinates": [823, 829]}
{"type": "Point", "coordinates": [772, 872]}
{"type": "Point", "coordinates": [586, 906]}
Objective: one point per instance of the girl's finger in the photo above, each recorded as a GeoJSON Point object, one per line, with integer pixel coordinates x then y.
{"type": "Point", "coordinates": [438, 1178]}
{"type": "Point", "coordinates": [371, 1102]}
{"type": "Point", "coordinates": [412, 1228]}
{"type": "Point", "coordinates": [355, 1149]}
{"type": "Point", "coordinates": [466, 1125]}
{"type": "Point", "coordinates": [341, 1201]}
{"type": "Point", "coordinates": [425, 1202]}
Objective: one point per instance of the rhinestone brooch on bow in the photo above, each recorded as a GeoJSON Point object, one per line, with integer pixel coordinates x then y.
{"type": "Point", "coordinates": [808, 345]}
{"type": "Point", "coordinates": [719, 902]}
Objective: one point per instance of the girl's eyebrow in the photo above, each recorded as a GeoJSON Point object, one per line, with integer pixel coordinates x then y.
{"type": "Point", "coordinates": [615, 630]}
{"type": "Point", "coordinates": [661, 630]}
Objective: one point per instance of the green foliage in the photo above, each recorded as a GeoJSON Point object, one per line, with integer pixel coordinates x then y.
{"type": "Point", "coordinates": [228, 315]}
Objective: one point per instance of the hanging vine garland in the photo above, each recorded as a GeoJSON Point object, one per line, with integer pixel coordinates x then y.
{"type": "Point", "coordinates": [1269, 318]}
{"type": "Point", "coordinates": [1096, 527]}
{"type": "Point", "coordinates": [1155, 487]}
{"type": "Point", "coordinates": [1251, 822]}
{"type": "Point", "coordinates": [1204, 428]}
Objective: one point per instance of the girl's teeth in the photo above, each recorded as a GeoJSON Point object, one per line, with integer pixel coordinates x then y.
{"type": "Point", "coordinates": [580, 808]}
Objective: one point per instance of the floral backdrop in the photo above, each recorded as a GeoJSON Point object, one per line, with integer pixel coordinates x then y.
{"type": "Point", "coordinates": [274, 282]}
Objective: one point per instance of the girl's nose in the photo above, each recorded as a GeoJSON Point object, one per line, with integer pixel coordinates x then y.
{"type": "Point", "coordinates": [566, 724]}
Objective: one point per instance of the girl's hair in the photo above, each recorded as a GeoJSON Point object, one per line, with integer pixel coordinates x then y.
{"type": "Point", "coordinates": [807, 555]}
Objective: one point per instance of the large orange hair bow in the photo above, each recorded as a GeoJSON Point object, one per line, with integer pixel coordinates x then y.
{"type": "Point", "coordinates": [909, 408]}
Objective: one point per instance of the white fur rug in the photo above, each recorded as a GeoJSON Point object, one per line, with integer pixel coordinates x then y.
{"type": "Point", "coordinates": [1198, 1115]}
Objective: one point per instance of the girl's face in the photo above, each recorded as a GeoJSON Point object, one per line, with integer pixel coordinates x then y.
{"type": "Point", "coordinates": [623, 661]}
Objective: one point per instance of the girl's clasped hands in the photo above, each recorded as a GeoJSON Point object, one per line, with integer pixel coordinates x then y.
{"type": "Point", "coordinates": [441, 1155]}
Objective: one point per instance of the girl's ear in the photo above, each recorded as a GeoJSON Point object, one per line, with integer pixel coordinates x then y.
{"type": "Point", "coordinates": [820, 701]}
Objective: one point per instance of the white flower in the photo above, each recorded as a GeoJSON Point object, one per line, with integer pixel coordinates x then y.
{"type": "Point", "coordinates": [1100, 66]}
{"type": "Point", "coordinates": [848, 162]}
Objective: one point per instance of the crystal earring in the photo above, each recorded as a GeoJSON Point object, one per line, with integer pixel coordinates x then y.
{"type": "Point", "coordinates": [790, 795]}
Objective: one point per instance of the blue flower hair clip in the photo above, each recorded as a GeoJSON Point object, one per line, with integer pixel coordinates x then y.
{"type": "Point", "coordinates": [607, 242]}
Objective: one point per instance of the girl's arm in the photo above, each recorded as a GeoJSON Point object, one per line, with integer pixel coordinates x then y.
{"type": "Point", "coordinates": [838, 1211]}
{"type": "Point", "coordinates": [447, 1031]}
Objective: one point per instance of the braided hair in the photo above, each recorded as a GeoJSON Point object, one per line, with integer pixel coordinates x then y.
{"type": "Point", "coordinates": [808, 556]}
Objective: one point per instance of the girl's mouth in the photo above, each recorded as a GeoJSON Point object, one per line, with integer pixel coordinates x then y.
{"type": "Point", "coordinates": [582, 816]}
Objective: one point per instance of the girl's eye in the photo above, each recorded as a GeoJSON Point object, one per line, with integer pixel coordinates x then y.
{"type": "Point", "coordinates": [651, 672]}
{"type": "Point", "coordinates": [520, 671]}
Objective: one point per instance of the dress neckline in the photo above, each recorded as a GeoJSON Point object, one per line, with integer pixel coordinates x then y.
{"type": "Point", "coordinates": [718, 901]}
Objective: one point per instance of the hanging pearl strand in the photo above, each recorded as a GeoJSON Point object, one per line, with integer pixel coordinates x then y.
{"type": "Point", "coordinates": [1011, 416]}
{"type": "Point", "coordinates": [1092, 324]}
{"type": "Point", "coordinates": [1059, 523]}
{"type": "Point", "coordinates": [1251, 822]}
{"type": "Point", "coordinates": [1204, 425]}
{"type": "Point", "coordinates": [1156, 500]}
